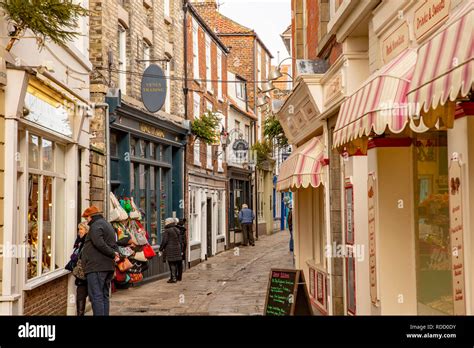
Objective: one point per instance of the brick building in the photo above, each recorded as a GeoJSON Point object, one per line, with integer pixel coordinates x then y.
{"type": "Point", "coordinates": [206, 57]}
{"type": "Point", "coordinates": [143, 146]}
{"type": "Point", "coordinates": [250, 59]}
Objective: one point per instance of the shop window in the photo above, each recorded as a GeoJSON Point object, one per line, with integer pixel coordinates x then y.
{"type": "Point", "coordinates": [240, 89]}
{"type": "Point", "coordinates": [46, 201]}
{"type": "Point", "coordinates": [113, 145]}
{"type": "Point", "coordinates": [153, 206]}
{"type": "Point", "coordinates": [433, 244]}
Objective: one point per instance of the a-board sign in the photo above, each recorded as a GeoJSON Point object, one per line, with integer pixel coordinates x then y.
{"type": "Point", "coordinates": [287, 293]}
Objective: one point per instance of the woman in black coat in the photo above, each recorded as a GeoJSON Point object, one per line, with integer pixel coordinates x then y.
{"type": "Point", "coordinates": [81, 291]}
{"type": "Point", "coordinates": [171, 246]}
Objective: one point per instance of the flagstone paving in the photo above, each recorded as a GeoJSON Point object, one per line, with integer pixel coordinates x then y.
{"type": "Point", "coordinates": [229, 283]}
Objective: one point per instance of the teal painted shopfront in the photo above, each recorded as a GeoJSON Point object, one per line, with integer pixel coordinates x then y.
{"type": "Point", "coordinates": [146, 163]}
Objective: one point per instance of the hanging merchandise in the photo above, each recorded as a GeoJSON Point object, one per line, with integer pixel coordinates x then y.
{"type": "Point", "coordinates": [136, 277]}
{"type": "Point", "coordinates": [126, 205]}
{"type": "Point", "coordinates": [139, 256]}
{"type": "Point", "coordinates": [116, 213]}
{"type": "Point", "coordinates": [135, 213]}
{"type": "Point", "coordinates": [124, 265]}
{"type": "Point", "coordinates": [148, 251]}
{"type": "Point", "coordinates": [125, 251]}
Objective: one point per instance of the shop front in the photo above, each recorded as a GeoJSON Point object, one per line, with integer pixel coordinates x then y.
{"type": "Point", "coordinates": [239, 193]}
{"type": "Point", "coordinates": [146, 164]}
{"type": "Point", "coordinates": [412, 119]}
{"type": "Point", "coordinates": [46, 157]}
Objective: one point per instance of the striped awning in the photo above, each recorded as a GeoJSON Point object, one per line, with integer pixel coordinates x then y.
{"type": "Point", "coordinates": [379, 104]}
{"type": "Point", "coordinates": [445, 62]}
{"type": "Point", "coordinates": [303, 167]}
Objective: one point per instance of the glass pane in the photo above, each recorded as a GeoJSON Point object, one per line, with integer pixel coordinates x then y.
{"type": "Point", "coordinates": [142, 179]}
{"type": "Point", "coordinates": [434, 277]}
{"type": "Point", "coordinates": [47, 148]}
{"type": "Point", "coordinates": [33, 151]}
{"type": "Point", "coordinates": [152, 151]}
{"type": "Point", "coordinates": [142, 148]}
{"type": "Point", "coordinates": [33, 212]}
{"type": "Point", "coordinates": [132, 180]}
{"type": "Point", "coordinates": [162, 199]}
{"type": "Point", "coordinates": [133, 144]}
{"type": "Point", "coordinates": [153, 206]}
{"type": "Point", "coordinates": [47, 223]}
{"type": "Point", "coordinates": [59, 225]}
{"type": "Point", "coordinates": [113, 145]}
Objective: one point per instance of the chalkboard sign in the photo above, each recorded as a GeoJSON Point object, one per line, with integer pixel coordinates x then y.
{"type": "Point", "coordinates": [287, 294]}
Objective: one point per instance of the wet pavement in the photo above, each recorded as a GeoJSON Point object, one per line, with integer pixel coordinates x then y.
{"type": "Point", "coordinates": [233, 282]}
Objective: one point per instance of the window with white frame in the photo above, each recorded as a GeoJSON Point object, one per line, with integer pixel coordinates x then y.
{"type": "Point", "coordinates": [208, 63]}
{"type": "Point", "coordinates": [237, 125]}
{"type": "Point", "coordinates": [197, 143]}
{"type": "Point", "coordinates": [146, 54]}
{"type": "Point", "coordinates": [209, 106]}
{"type": "Point", "coordinates": [219, 74]}
{"type": "Point", "coordinates": [195, 49]}
{"type": "Point", "coordinates": [122, 61]}
{"type": "Point", "coordinates": [167, 8]}
{"type": "Point", "coordinates": [168, 87]}
{"type": "Point", "coordinates": [194, 212]}
{"type": "Point", "coordinates": [247, 134]}
{"type": "Point", "coordinates": [209, 156]}
{"type": "Point", "coordinates": [46, 200]}
{"type": "Point", "coordinates": [240, 89]}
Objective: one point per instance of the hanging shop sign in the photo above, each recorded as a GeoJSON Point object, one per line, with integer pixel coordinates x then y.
{"type": "Point", "coordinates": [371, 193]}
{"type": "Point", "coordinates": [287, 293]}
{"type": "Point", "coordinates": [428, 15]}
{"type": "Point", "coordinates": [153, 88]}
{"type": "Point", "coordinates": [395, 43]}
{"type": "Point", "coordinates": [457, 235]}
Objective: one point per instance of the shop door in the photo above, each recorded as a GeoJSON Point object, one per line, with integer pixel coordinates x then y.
{"type": "Point", "coordinates": [433, 244]}
{"type": "Point", "coordinates": [209, 227]}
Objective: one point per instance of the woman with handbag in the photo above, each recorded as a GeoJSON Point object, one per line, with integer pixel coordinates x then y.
{"type": "Point", "coordinates": [171, 246]}
{"type": "Point", "coordinates": [75, 266]}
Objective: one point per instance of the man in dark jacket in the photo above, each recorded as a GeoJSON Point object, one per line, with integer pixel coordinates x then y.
{"type": "Point", "coordinates": [246, 217]}
{"type": "Point", "coordinates": [182, 240]}
{"type": "Point", "coordinates": [100, 251]}
{"type": "Point", "coordinates": [171, 246]}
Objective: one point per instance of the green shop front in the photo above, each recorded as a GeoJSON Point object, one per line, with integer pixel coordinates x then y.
{"type": "Point", "coordinates": [146, 163]}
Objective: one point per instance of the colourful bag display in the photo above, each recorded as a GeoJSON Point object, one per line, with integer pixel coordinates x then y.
{"type": "Point", "coordinates": [136, 277]}
{"type": "Point", "coordinates": [139, 256]}
{"type": "Point", "coordinates": [124, 265]}
{"type": "Point", "coordinates": [148, 251]}
{"type": "Point", "coordinates": [116, 213]}
{"type": "Point", "coordinates": [134, 213]}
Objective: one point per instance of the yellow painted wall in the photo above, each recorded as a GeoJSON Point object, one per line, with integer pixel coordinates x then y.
{"type": "Point", "coordinates": [395, 236]}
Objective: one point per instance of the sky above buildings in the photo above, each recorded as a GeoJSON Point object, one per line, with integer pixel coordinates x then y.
{"type": "Point", "coordinates": [269, 18]}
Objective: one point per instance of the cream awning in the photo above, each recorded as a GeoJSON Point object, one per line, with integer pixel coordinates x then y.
{"type": "Point", "coordinates": [445, 62]}
{"type": "Point", "coordinates": [303, 167]}
{"type": "Point", "coordinates": [379, 104]}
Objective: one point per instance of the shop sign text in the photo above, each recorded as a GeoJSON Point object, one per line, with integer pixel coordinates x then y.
{"type": "Point", "coordinates": [429, 14]}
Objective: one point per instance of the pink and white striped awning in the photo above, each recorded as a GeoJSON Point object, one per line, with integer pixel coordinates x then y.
{"type": "Point", "coordinates": [303, 167]}
{"type": "Point", "coordinates": [379, 104]}
{"type": "Point", "coordinates": [444, 69]}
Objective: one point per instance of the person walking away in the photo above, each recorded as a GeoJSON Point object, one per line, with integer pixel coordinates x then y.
{"type": "Point", "coordinates": [171, 247]}
{"type": "Point", "coordinates": [290, 226]}
{"type": "Point", "coordinates": [98, 257]}
{"type": "Point", "coordinates": [246, 217]}
{"type": "Point", "coordinates": [81, 284]}
{"type": "Point", "coordinates": [182, 239]}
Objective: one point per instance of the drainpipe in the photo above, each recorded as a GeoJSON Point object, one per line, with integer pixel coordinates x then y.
{"type": "Point", "coordinates": [185, 91]}
{"type": "Point", "coordinates": [107, 157]}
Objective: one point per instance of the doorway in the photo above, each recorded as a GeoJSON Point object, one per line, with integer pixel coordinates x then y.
{"type": "Point", "coordinates": [209, 227]}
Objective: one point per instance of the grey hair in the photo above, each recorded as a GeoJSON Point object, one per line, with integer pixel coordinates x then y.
{"type": "Point", "coordinates": [84, 225]}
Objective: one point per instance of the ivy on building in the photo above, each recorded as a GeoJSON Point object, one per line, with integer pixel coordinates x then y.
{"type": "Point", "coordinates": [263, 151]}
{"type": "Point", "coordinates": [53, 20]}
{"type": "Point", "coordinates": [206, 128]}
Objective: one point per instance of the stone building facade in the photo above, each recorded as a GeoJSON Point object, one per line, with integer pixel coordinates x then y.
{"type": "Point", "coordinates": [139, 153]}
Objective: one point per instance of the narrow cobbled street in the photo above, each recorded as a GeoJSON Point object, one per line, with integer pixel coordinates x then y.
{"type": "Point", "coordinates": [231, 283]}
